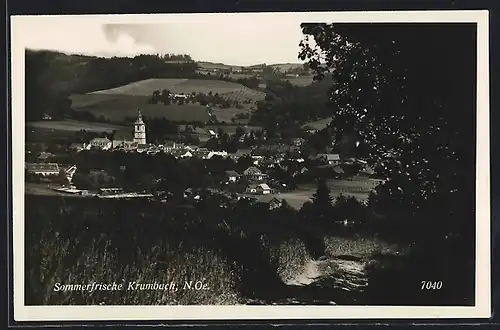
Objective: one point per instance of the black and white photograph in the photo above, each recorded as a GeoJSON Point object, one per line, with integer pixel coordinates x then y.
{"type": "Point", "coordinates": [251, 165]}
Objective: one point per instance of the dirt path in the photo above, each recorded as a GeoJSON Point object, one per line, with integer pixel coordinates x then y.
{"type": "Point", "coordinates": [349, 271]}
{"type": "Point", "coordinates": [334, 280]}
{"type": "Point", "coordinates": [309, 274]}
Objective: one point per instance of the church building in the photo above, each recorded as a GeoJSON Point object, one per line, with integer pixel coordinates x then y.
{"type": "Point", "coordinates": [123, 139]}
{"type": "Point", "coordinates": [139, 130]}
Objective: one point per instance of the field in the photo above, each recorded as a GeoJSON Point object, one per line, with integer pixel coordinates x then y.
{"type": "Point", "coordinates": [283, 67]}
{"type": "Point", "coordinates": [73, 126]}
{"type": "Point", "coordinates": [300, 81]}
{"type": "Point", "coordinates": [116, 107]}
{"type": "Point", "coordinates": [118, 103]}
{"type": "Point", "coordinates": [186, 86]}
{"type": "Point", "coordinates": [226, 115]}
{"type": "Point", "coordinates": [217, 66]}
{"type": "Point", "coordinates": [356, 188]}
{"type": "Point", "coordinates": [231, 129]}
{"type": "Point", "coordinates": [318, 124]}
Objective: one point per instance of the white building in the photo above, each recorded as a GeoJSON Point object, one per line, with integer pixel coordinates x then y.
{"type": "Point", "coordinates": [140, 130]}
{"type": "Point", "coordinates": [45, 169]}
{"type": "Point", "coordinates": [101, 143]}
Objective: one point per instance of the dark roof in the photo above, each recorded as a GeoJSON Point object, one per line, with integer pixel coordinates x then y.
{"type": "Point", "coordinates": [338, 170]}
{"type": "Point", "coordinates": [123, 134]}
{"type": "Point", "coordinates": [263, 186]}
{"type": "Point", "coordinates": [332, 156]}
{"type": "Point", "coordinates": [232, 173]}
{"type": "Point", "coordinates": [37, 167]}
{"type": "Point", "coordinates": [252, 170]}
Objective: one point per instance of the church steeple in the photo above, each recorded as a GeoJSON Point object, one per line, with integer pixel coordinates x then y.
{"type": "Point", "coordinates": [139, 118]}
{"type": "Point", "coordinates": [139, 129]}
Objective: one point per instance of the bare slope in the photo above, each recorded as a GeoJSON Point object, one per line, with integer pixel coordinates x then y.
{"type": "Point", "coordinates": [186, 86]}
{"type": "Point", "coordinates": [116, 107]}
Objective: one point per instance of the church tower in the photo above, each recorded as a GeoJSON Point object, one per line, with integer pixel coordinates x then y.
{"type": "Point", "coordinates": [139, 130]}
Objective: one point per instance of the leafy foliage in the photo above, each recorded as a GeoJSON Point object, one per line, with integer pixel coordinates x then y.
{"type": "Point", "coordinates": [411, 101]}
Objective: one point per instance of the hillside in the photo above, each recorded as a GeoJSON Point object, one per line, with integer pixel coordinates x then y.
{"type": "Point", "coordinates": [117, 103]}
{"type": "Point", "coordinates": [115, 88]}
{"type": "Point", "coordinates": [185, 86]}
{"type": "Point", "coordinates": [116, 107]}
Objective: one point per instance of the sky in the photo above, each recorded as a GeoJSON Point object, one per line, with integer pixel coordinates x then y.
{"type": "Point", "coordinates": [230, 39]}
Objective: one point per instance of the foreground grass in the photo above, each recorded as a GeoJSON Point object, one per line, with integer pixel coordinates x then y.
{"type": "Point", "coordinates": [61, 262]}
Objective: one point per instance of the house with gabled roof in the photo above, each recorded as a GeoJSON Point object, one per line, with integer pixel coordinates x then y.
{"type": "Point", "coordinates": [45, 169]}
{"type": "Point", "coordinates": [275, 203]}
{"type": "Point", "coordinates": [232, 176]}
{"type": "Point", "coordinates": [331, 159]}
{"type": "Point", "coordinates": [101, 143]}
{"type": "Point", "coordinates": [253, 174]}
{"type": "Point", "coordinates": [259, 189]}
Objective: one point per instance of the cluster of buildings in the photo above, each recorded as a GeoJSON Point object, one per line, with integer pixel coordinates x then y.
{"type": "Point", "coordinates": [139, 144]}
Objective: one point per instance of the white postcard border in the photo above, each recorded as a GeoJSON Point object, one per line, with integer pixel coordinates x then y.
{"type": "Point", "coordinates": [142, 313]}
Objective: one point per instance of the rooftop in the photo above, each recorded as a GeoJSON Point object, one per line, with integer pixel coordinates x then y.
{"type": "Point", "coordinates": [44, 167]}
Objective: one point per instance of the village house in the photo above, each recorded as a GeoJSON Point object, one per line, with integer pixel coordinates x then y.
{"type": "Point", "coordinates": [101, 143]}
{"type": "Point", "coordinates": [217, 153]}
{"type": "Point", "coordinates": [79, 146]}
{"type": "Point", "coordinates": [298, 141]}
{"type": "Point", "coordinates": [301, 170]}
{"type": "Point", "coordinates": [366, 171]}
{"type": "Point", "coordinates": [202, 153]}
{"type": "Point", "coordinates": [169, 146]}
{"type": "Point", "coordinates": [70, 172]}
{"type": "Point", "coordinates": [331, 159]}
{"type": "Point", "coordinates": [43, 156]}
{"type": "Point", "coordinates": [124, 139]}
{"type": "Point", "coordinates": [232, 176]}
{"type": "Point", "coordinates": [338, 171]}
{"type": "Point", "coordinates": [129, 145]}
{"type": "Point", "coordinates": [275, 204]}
{"type": "Point", "coordinates": [253, 174]}
{"type": "Point", "coordinates": [185, 154]}
{"type": "Point", "coordinates": [181, 96]}
{"type": "Point", "coordinates": [142, 147]}
{"type": "Point", "coordinates": [259, 189]}
{"type": "Point", "coordinates": [153, 150]}
{"type": "Point", "coordinates": [45, 169]}
{"type": "Point", "coordinates": [212, 133]}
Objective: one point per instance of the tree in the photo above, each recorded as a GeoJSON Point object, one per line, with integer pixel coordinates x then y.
{"type": "Point", "coordinates": [401, 96]}
{"type": "Point", "coordinates": [165, 97]}
{"type": "Point", "coordinates": [321, 198]}
{"type": "Point", "coordinates": [239, 132]}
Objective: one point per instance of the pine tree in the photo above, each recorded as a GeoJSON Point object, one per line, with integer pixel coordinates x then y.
{"type": "Point", "coordinates": [322, 198]}
{"type": "Point", "coordinates": [322, 201]}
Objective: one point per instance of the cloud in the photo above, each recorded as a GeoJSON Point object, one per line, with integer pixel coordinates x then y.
{"type": "Point", "coordinates": [124, 42]}
{"type": "Point", "coordinates": [249, 40]}
{"type": "Point", "coordinates": [125, 45]}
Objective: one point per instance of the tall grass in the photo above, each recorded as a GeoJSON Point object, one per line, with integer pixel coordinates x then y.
{"type": "Point", "coordinates": [289, 257]}
{"type": "Point", "coordinates": [61, 262]}
{"type": "Point", "coordinates": [359, 246]}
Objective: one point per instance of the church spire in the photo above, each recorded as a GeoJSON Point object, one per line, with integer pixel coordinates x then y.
{"type": "Point", "coordinates": [139, 117]}
{"type": "Point", "coordinates": [139, 129]}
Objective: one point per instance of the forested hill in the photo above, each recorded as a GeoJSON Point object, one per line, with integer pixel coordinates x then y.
{"type": "Point", "coordinates": [81, 74]}
{"type": "Point", "coordinates": [52, 76]}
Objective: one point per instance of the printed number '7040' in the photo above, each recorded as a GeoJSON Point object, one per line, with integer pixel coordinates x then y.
{"type": "Point", "coordinates": [431, 285]}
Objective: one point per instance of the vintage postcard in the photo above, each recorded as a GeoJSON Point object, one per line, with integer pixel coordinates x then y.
{"type": "Point", "coordinates": [251, 166]}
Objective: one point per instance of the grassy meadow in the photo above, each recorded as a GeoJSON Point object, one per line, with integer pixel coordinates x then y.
{"type": "Point", "coordinates": [186, 86]}
{"type": "Point", "coordinates": [117, 103]}
{"type": "Point", "coordinates": [74, 125]}
{"type": "Point", "coordinates": [117, 107]}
